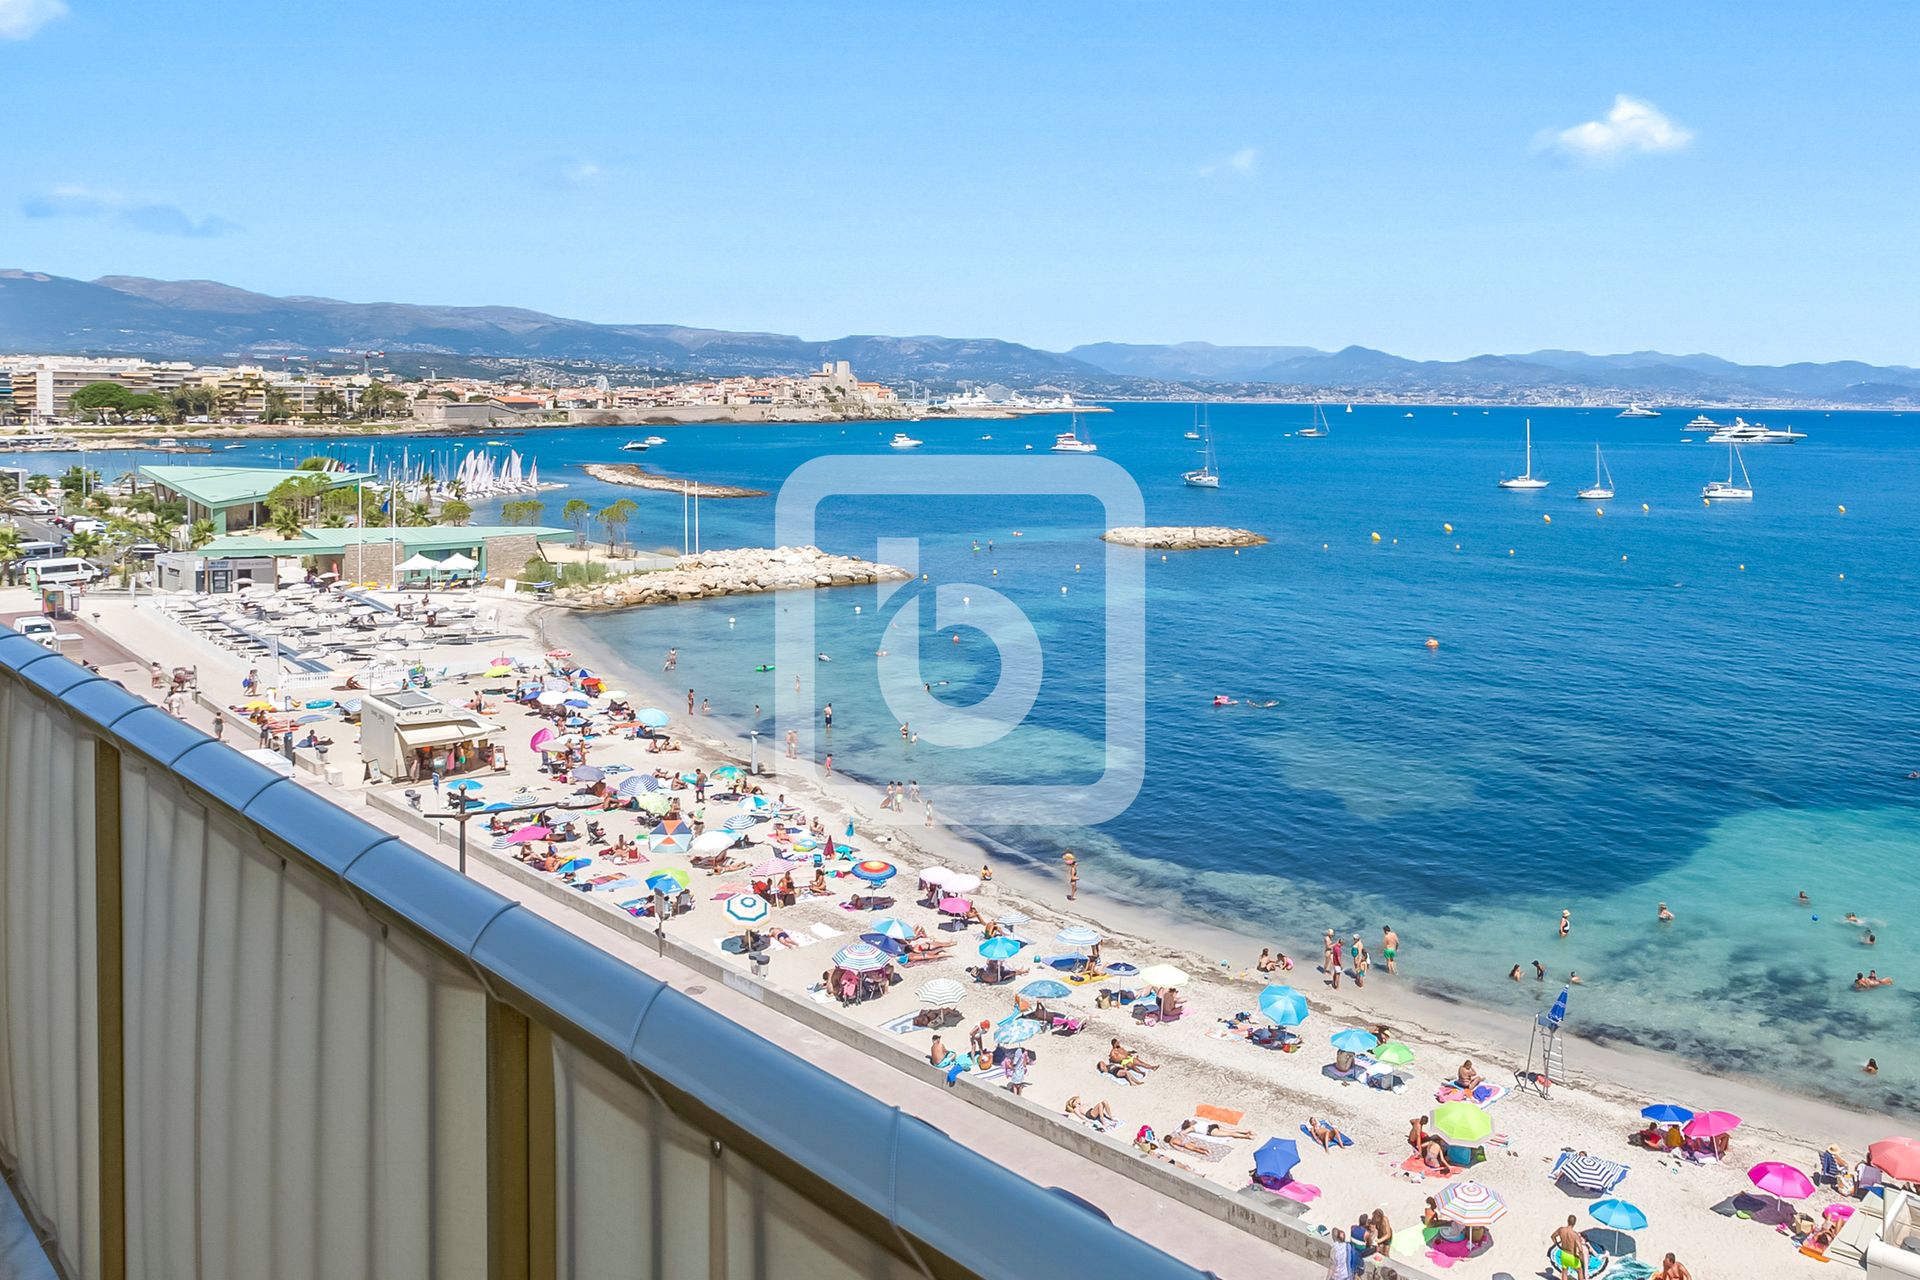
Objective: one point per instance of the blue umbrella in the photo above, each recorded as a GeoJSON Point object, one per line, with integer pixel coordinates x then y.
{"type": "Point", "coordinates": [652, 717]}
{"type": "Point", "coordinates": [638, 783]}
{"type": "Point", "coordinates": [860, 957]}
{"type": "Point", "coordinates": [1354, 1040]}
{"type": "Point", "coordinates": [1617, 1214]}
{"type": "Point", "coordinates": [881, 942]}
{"type": "Point", "coordinates": [589, 773]}
{"type": "Point", "coordinates": [496, 807]}
{"type": "Point", "coordinates": [575, 864]}
{"type": "Point", "coordinates": [1046, 989]}
{"type": "Point", "coordinates": [893, 927]}
{"type": "Point", "coordinates": [1276, 1159]}
{"type": "Point", "coordinates": [1283, 1006]}
{"type": "Point", "coordinates": [577, 702]}
{"type": "Point", "coordinates": [1020, 1029]}
{"type": "Point", "coordinates": [665, 883]}
{"type": "Point", "coordinates": [738, 822]}
{"type": "Point", "coordinates": [464, 784]}
{"type": "Point", "coordinates": [309, 719]}
{"type": "Point", "coordinates": [999, 948]}
{"type": "Point", "coordinates": [1122, 968]}
{"type": "Point", "coordinates": [1666, 1113]}
{"type": "Point", "coordinates": [1558, 1014]}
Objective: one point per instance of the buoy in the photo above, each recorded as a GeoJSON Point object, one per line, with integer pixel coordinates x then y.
{"type": "Point", "coordinates": [1376, 537]}
{"type": "Point", "coordinates": [1599, 511]}
{"type": "Point", "coordinates": [1076, 568]}
{"type": "Point", "coordinates": [856, 608]}
{"type": "Point", "coordinates": [1843, 577]}
{"type": "Point", "coordinates": [1063, 591]}
{"type": "Point", "coordinates": [1432, 643]}
{"type": "Point", "coordinates": [1236, 551]}
{"type": "Point", "coordinates": [1645, 507]}
{"type": "Point", "coordinates": [1456, 546]}
{"type": "Point", "coordinates": [1706, 502]}
{"type": "Point", "coordinates": [956, 637]}
{"type": "Point", "coordinates": [996, 573]}
{"type": "Point", "coordinates": [730, 621]}
{"type": "Point", "coordinates": [1323, 546]}
{"type": "Point", "coordinates": [1446, 528]}
{"type": "Point", "coordinates": [1743, 568]}
{"type": "Point", "coordinates": [966, 600]}
{"type": "Point", "coordinates": [1509, 550]}
{"type": "Point", "coordinates": [923, 577]}
{"type": "Point", "coordinates": [1547, 518]}
{"type": "Point", "coordinates": [1623, 559]}
{"type": "Point", "coordinates": [1396, 542]}
{"type": "Point", "coordinates": [1843, 508]}
{"type": "Point", "coordinates": [1163, 559]}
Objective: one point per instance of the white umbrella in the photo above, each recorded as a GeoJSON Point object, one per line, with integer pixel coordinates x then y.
{"type": "Point", "coordinates": [417, 563]}
{"type": "Point", "coordinates": [459, 562]}
{"type": "Point", "coordinates": [708, 842]}
{"type": "Point", "coordinates": [941, 993]}
{"type": "Point", "coordinates": [1162, 975]}
{"type": "Point", "coordinates": [958, 882]}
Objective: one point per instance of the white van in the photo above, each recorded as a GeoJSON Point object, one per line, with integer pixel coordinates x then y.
{"type": "Point", "coordinates": [34, 628]}
{"type": "Point", "coordinates": [31, 504]}
{"type": "Point", "coordinates": [62, 571]}
{"type": "Point", "coordinates": [30, 551]}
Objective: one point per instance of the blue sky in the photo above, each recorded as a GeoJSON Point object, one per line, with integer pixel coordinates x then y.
{"type": "Point", "coordinates": [1408, 176]}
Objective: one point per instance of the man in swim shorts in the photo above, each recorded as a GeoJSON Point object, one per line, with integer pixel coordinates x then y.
{"type": "Point", "coordinates": [1389, 946]}
{"type": "Point", "coordinates": [1570, 1251]}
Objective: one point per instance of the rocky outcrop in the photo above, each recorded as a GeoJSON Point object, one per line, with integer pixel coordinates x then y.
{"type": "Point", "coordinates": [733, 573]}
{"type": "Point", "coordinates": [1182, 537]}
{"type": "Point", "coordinates": [636, 477]}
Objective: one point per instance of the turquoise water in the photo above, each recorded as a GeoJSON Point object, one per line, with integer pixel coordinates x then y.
{"type": "Point", "coordinates": [1617, 713]}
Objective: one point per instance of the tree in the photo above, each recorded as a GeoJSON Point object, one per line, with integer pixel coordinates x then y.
{"type": "Point", "coordinates": [415, 514]}
{"type": "Point", "coordinates": [199, 534]}
{"type": "Point", "coordinates": [315, 464]}
{"type": "Point", "coordinates": [287, 523]}
{"type": "Point", "coordinates": [102, 400]}
{"type": "Point", "coordinates": [577, 513]}
{"type": "Point", "coordinates": [454, 511]}
{"type": "Point", "coordinates": [279, 405]}
{"type": "Point", "coordinates": [40, 485]}
{"type": "Point", "coordinates": [12, 541]}
{"type": "Point", "coordinates": [614, 517]}
{"type": "Point", "coordinates": [85, 545]}
{"type": "Point", "coordinates": [328, 403]}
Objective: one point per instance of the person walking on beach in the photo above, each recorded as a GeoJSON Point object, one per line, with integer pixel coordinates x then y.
{"type": "Point", "coordinates": [913, 790]}
{"type": "Point", "coordinates": [793, 743]}
{"type": "Point", "coordinates": [219, 728]}
{"type": "Point", "coordinates": [1389, 946]}
{"type": "Point", "coordinates": [1073, 874]}
{"type": "Point", "coordinates": [929, 813]}
{"type": "Point", "coordinates": [689, 702]}
{"type": "Point", "coordinates": [829, 764]}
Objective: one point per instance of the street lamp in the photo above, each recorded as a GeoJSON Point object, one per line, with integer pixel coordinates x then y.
{"type": "Point", "coordinates": [468, 811]}
{"type": "Point", "coordinates": [753, 753]}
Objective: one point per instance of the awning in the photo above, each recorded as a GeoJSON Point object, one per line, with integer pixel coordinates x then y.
{"type": "Point", "coordinates": [443, 735]}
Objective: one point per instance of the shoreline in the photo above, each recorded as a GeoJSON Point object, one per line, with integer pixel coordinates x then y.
{"type": "Point", "coordinates": [634, 476]}
{"type": "Point", "coordinates": [1629, 1075]}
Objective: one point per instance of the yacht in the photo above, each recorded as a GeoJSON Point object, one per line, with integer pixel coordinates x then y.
{"type": "Point", "coordinates": [1701, 422]}
{"type": "Point", "coordinates": [1070, 441]}
{"type": "Point", "coordinates": [901, 440]}
{"type": "Point", "coordinates": [656, 440]}
{"type": "Point", "coordinates": [1319, 430]}
{"type": "Point", "coordinates": [1526, 479]}
{"type": "Point", "coordinates": [1600, 488]}
{"type": "Point", "coordinates": [1727, 490]}
{"type": "Point", "coordinates": [1636, 410]}
{"type": "Point", "coordinates": [1206, 476]}
{"type": "Point", "coordinates": [635, 446]}
{"type": "Point", "coordinates": [1193, 432]}
{"type": "Point", "coordinates": [1744, 432]}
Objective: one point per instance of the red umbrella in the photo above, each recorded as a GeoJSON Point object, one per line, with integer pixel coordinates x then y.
{"type": "Point", "coordinates": [1897, 1158]}
{"type": "Point", "coordinates": [526, 835]}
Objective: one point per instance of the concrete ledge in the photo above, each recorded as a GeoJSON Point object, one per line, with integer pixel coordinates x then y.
{"type": "Point", "coordinates": [1256, 1219]}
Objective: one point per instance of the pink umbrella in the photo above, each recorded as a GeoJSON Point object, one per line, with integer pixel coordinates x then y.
{"type": "Point", "coordinates": [1897, 1158]}
{"type": "Point", "coordinates": [955, 906]}
{"type": "Point", "coordinates": [773, 867]}
{"type": "Point", "coordinates": [539, 738]}
{"type": "Point", "coordinates": [1711, 1124]}
{"type": "Point", "coordinates": [527, 835]}
{"type": "Point", "coordinates": [1777, 1179]}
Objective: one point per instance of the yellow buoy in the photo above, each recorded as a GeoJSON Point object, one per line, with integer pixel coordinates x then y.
{"type": "Point", "coordinates": [923, 577]}
{"type": "Point", "coordinates": [1076, 568]}
{"type": "Point", "coordinates": [1599, 511]}
{"type": "Point", "coordinates": [1706, 502]}
{"type": "Point", "coordinates": [1645, 507]}
{"type": "Point", "coordinates": [1743, 568]}
{"type": "Point", "coordinates": [1432, 643]}
{"type": "Point", "coordinates": [1376, 537]}
{"type": "Point", "coordinates": [1547, 518]}
{"type": "Point", "coordinates": [1509, 550]}
{"type": "Point", "coordinates": [1843, 508]}
{"type": "Point", "coordinates": [1447, 528]}
{"type": "Point", "coordinates": [996, 573]}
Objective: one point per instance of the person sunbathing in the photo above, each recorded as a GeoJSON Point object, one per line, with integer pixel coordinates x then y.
{"type": "Point", "coordinates": [929, 946]}
{"type": "Point", "coordinates": [1186, 1141]}
{"type": "Point", "coordinates": [1124, 1057]}
{"type": "Point", "coordinates": [720, 868]}
{"type": "Point", "coordinates": [1325, 1134]}
{"type": "Point", "coordinates": [1433, 1154]}
{"type": "Point", "coordinates": [1120, 1071]}
{"type": "Point", "coordinates": [1215, 1130]}
{"type": "Point", "coordinates": [784, 938]}
{"type": "Point", "coordinates": [1098, 1113]}
{"type": "Point", "coordinates": [1468, 1077]}
{"type": "Point", "coordinates": [1171, 1005]}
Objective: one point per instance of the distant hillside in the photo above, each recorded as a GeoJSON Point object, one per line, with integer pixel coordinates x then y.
{"type": "Point", "coordinates": [205, 320]}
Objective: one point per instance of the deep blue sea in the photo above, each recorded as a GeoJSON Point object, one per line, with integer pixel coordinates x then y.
{"type": "Point", "coordinates": [1641, 700]}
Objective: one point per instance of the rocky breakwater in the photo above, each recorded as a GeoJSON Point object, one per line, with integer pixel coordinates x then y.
{"type": "Point", "coordinates": [637, 477]}
{"type": "Point", "coordinates": [734, 573]}
{"type": "Point", "coordinates": [1182, 537]}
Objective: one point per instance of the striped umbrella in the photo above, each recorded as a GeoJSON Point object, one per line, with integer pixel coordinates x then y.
{"type": "Point", "coordinates": [639, 784]}
{"type": "Point", "coordinates": [1012, 920]}
{"type": "Point", "coordinates": [1017, 1031]}
{"type": "Point", "coordinates": [860, 957]}
{"type": "Point", "coordinates": [874, 871]}
{"type": "Point", "coordinates": [941, 993]}
{"type": "Point", "coordinates": [589, 773]}
{"type": "Point", "coordinates": [1470, 1204]}
{"type": "Point", "coordinates": [893, 927]}
{"type": "Point", "coordinates": [1590, 1173]}
{"type": "Point", "coordinates": [738, 822]}
{"type": "Point", "coordinates": [1077, 937]}
{"type": "Point", "coordinates": [746, 908]}
{"type": "Point", "coordinates": [771, 867]}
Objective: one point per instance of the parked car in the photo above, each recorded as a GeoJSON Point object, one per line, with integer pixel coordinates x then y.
{"type": "Point", "coordinates": [87, 524]}
{"type": "Point", "coordinates": [34, 628]}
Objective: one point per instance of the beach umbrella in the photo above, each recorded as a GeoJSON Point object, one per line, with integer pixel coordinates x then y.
{"type": "Point", "coordinates": [551, 697]}
{"type": "Point", "coordinates": [1018, 1031]}
{"type": "Point", "coordinates": [873, 871]}
{"type": "Point", "coordinates": [1011, 920]}
{"type": "Point", "coordinates": [959, 883]}
{"type": "Point", "coordinates": [654, 804]}
{"type": "Point", "coordinates": [578, 703]}
{"type": "Point", "coordinates": [935, 875]}
{"type": "Point", "coordinates": [497, 806]}
{"type": "Point", "coordinates": [1284, 1006]}
{"type": "Point", "coordinates": [589, 773]}
{"type": "Point", "coordinates": [711, 842]}
{"type": "Point", "coordinates": [1778, 1179]}
{"type": "Point", "coordinates": [1394, 1054]}
{"type": "Point", "coordinates": [540, 738]}
{"type": "Point", "coordinates": [1276, 1159]}
{"type": "Point", "coordinates": [1590, 1173]}
{"type": "Point", "coordinates": [667, 880]}
{"type": "Point", "coordinates": [1461, 1123]}
{"type": "Point", "coordinates": [1354, 1040]}
{"type": "Point", "coordinates": [771, 867]}
{"type": "Point", "coordinates": [999, 948]}
{"type": "Point", "coordinates": [652, 717]}
{"type": "Point", "coordinates": [1666, 1113]}
{"type": "Point", "coordinates": [1471, 1204]}
{"type": "Point", "coordinates": [639, 784]}
{"type": "Point", "coordinates": [746, 908]}
{"type": "Point", "coordinates": [738, 822]}
{"type": "Point", "coordinates": [882, 942]}
{"type": "Point", "coordinates": [575, 864]}
{"type": "Point", "coordinates": [495, 672]}
{"type": "Point", "coordinates": [941, 993]}
{"type": "Point", "coordinates": [575, 722]}
{"type": "Point", "coordinates": [1711, 1124]}
{"type": "Point", "coordinates": [1617, 1214]}
{"type": "Point", "coordinates": [1898, 1158]}
{"type": "Point", "coordinates": [465, 784]}
{"type": "Point", "coordinates": [893, 927]}
{"type": "Point", "coordinates": [1078, 937]}
{"type": "Point", "coordinates": [755, 804]}
{"type": "Point", "coordinates": [727, 772]}
{"type": "Point", "coordinates": [955, 906]}
{"type": "Point", "coordinates": [615, 695]}
{"type": "Point", "coordinates": [860, 957]}
{"type": "Point", "coordinates": [528, 834]}
{"type": "Point", "coordinates": [562, 654]}
{"type": "Point", "coordinates": [1163, 975]}
{"type": "Point", "coordinates": [1046, 989]}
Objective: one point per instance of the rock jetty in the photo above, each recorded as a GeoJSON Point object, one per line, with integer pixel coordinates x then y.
{"type": "Point", "coordinates": [1182, 537]}
{"type": "Point", "coordinates": [733, 573]}
{"type": "Point", "coordinates": [636, 477]}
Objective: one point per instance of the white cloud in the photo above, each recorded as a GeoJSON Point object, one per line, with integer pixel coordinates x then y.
{"type": "Point", "coordinates": [1241, 161]}
{"type": "Point", "coordinates": [580, 172]}
{"type": "Point", "coordinates": [21, 18]}
{"type": "Point", "coordinates": [156, 218]}
{"type": "Point", "coordinates": [1631, 126]}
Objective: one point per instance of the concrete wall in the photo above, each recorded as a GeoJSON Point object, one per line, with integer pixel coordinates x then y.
{"type": "Point", "coordinates": [506, 556]}
{"type": "Point", "coordinates": [371, 562]}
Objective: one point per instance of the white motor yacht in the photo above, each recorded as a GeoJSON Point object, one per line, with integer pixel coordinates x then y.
{"type": "Point", "coordinates": [901, 440]}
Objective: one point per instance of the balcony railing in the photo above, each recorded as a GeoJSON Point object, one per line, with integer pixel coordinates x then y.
{"type": "Point", "coordinates": [244, 1033]}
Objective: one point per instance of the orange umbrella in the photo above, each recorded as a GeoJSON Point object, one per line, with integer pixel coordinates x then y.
{"type": "Point", "coordinates": [1897, 1158]}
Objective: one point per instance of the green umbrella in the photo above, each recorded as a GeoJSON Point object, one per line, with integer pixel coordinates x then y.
{"type": "Point", "coordinates": [1393, 1053]}
{"type": "Point", "coordinates": [1461, 1123]}
{"type": "Point", "coordinates": [655, 803]}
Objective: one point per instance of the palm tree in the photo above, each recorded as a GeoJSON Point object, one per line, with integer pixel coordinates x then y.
{"type": "Point", "coordinates": [287, 523]}
{"type": "Point", "coordinates": [11, 544]}
{"type": "Point", "coordinates": [199, 534]}
{"type": "Point", "coordinates": [41, 485]}
{"type": "Point", "coordinates": [416, 514]}
{"type": "Point", "coordinates": [85, 545]}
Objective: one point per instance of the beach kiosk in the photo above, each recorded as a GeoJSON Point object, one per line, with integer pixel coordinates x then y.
{"type": "Point", "coordinates": [409, 734]}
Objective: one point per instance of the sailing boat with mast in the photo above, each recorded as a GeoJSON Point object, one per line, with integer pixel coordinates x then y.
{"type": "Point", "coordinates": [1193, 432]}
{"type": "Point", "coordinates": [1207, 476]}
{"type": "Point", "coordinates": [1526, 479]}
{"type": "Point", "coordinates": [1319, 430]}
{"type": "Point", "coordinates": [1600, 488]}
{"type": "Point", "coordinates": [1726, 490]}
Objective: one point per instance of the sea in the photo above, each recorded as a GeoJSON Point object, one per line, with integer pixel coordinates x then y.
{"type": "Point", "coordinates": [1452, 708]}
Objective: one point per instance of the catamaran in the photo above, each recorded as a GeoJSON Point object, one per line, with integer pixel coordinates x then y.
{"type": "Point", "coordinates": [1070, 440]}
{"type": "Point", "coordinates": [1526, 479]}
{"type": "Point", "coordinates": [1599, 488]}
{"type": "Point", "coordinates": [1319, 430]}
{"type": "Point", "coordinates": [1726, 490]}
{"type": "Point", "coordinates": [1206, 476]}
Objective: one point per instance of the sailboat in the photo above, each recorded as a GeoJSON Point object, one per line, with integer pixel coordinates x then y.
{"type": "Point", "coordinates": [1726, 490]}
{"type": "Point", "coordinates": [1206, 476]}
{"type": "Point", "coordinates": [1599, 488]}
{"type": "Point", "coordinates": [1193, 432]}
{"type": "Point", "coordinates": [1070, 440]}
{"type": "Point", "coordinates": [1319, 430]}
{"type": "Point", "coordinates": [1526, 479]}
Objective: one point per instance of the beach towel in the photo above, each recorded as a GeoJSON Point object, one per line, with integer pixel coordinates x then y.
{"type": "Point", "coordinates": [1219, 1115]}
{"type": "Point", "coordinates": [1298, 1192]}
{"type": "Point", "coordinates": [1198, 1144]}
{"type": "Point", "coordinates": [1484, 1094]}
{"type": "Point", "coordinates": [900, 1025]}
{"type": "Point", "coordinates": [823, 932]}
{"type": "Point", "coordinates": [1414, 1164]}
{"type": "Point", "coordinates": [1345, 1141]}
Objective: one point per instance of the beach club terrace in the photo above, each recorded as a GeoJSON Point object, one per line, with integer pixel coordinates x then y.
{"type": "Point", "coordinates": [408, 554]}
{"type": "Point", "coordinates": [233, 498]}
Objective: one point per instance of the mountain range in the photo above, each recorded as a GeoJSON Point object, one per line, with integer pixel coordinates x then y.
{"type": "Point", "coordinates": [208, 321]}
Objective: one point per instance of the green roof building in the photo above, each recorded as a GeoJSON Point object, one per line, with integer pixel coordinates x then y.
{"type": "Point", "coordinates": [492, 553]}
{"type": "Point", "coordinates": [233, 498]}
